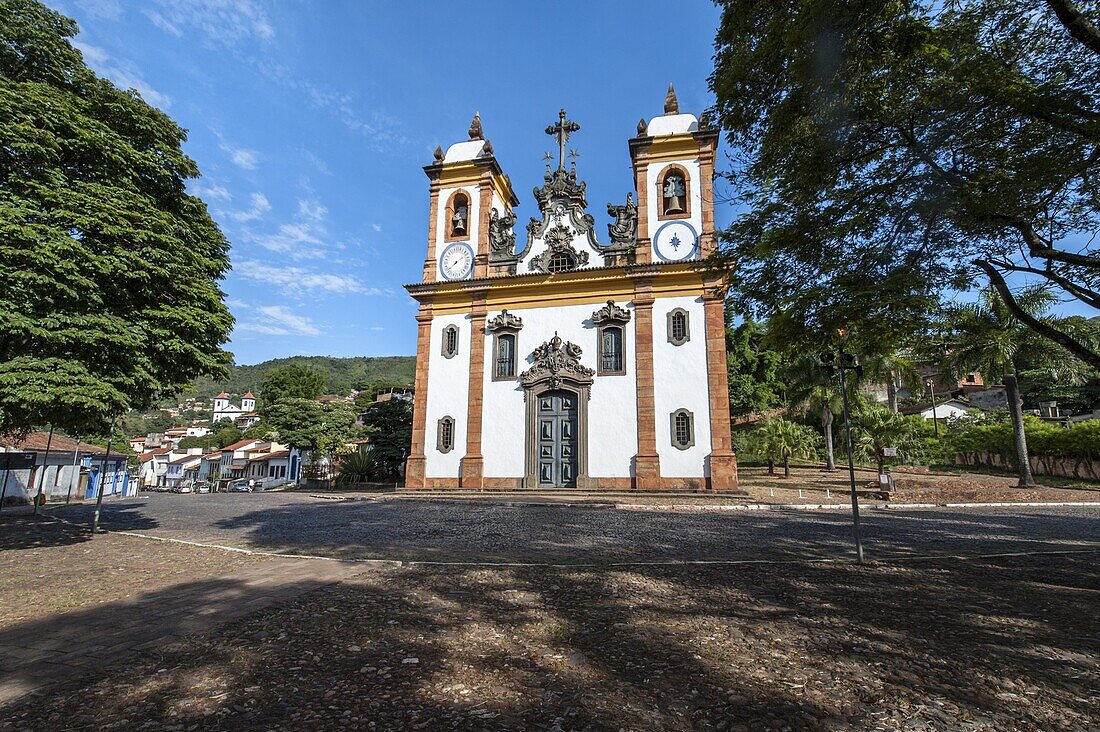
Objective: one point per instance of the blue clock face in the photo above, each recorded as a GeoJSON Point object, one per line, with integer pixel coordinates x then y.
{"type": "Point", "coordinates": [676, 241]}
{"type": "Point", "coordinates": [456, 261]}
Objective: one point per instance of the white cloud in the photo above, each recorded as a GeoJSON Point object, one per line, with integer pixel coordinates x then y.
{"type": "Point", "coordinates": [210, 192]}
{"type": "Point", "coordinates": [122, 74]}
{"type": "Point", "coordinates": [314, 210]}
{"type": "Point", "coordinates": [106, 9]}
{"type": "Point", "coordinates": [227, 22]}
{"type": "Point", "coordinates": [257, 208]}
{"type": "Point", "coordinates": [376, 227]}
{"type": "Point", "coordinates": [276, 320]}
{"type": "Point", "coordinates": [321, 166]}
{"type": "Point", "coordinates": [299, 279]}
{"type": "Point", "coordinates": [241, 157]}
{"type": "Point", "coordinates": [298, 240]}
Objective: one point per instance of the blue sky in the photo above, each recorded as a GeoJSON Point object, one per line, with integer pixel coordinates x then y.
{"type": "Point", "coordinates": [311, 122]}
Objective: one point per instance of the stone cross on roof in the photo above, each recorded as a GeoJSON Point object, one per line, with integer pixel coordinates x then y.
{"type": "Point", "coordinates": [561, 131]}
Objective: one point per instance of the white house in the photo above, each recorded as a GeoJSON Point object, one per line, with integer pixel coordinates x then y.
{"type": "Point", "coordinates": [224, 409]}
{"type": "Point", "coordinates": [176, 469]}
{"type": "Point", "coordinates": [943, 411]}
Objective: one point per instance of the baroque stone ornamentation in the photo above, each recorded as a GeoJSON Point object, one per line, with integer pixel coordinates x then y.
{"type": "Point", "coordinates": [624, 230]}
{"type": "Point", "coordinates": [672, 105]}
{"type": "Point", "coordinates": [502, 239]}
{"type": "Point", "coordinates": [611, 313]}
{"type": "Point", "coordinates": [558, 241]}
{"type": "Point", "coordinates": [505, 321]}
{"type": "Point", "coordinates": [476, 133]}
{"type": "Point", "coordinates": [557, 362]}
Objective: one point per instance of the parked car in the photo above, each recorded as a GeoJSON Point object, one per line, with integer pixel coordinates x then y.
{"type": "Point", "coordinates": [239, 486]}
{"type": "Point", "coordinates": [202, 487]}
{"type": "Point", "coordinates": [184, 488]}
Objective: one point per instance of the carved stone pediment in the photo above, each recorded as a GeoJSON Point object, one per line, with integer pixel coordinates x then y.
{"type": "Point", "coordinates": [611, 313]}
{"type": "Point", "coordinates": [505, 321]}
{"type": "Point", "coordinates": [557, 362]}
{"type": "Point", "coordinates": [502, 238]}
{"type": "Point", "coordinates": [558, 240]}
{"type": "Point", "coordinates": [624, 230]}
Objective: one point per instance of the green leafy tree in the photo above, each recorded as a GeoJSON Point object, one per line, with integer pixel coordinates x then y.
{"type": "Point", "coordinates": [110, 270]}
{"type": "Point", "coordinates": [357, 467]}
{"type": "Point", "coordinates": [891, 149]}
{"type": "Point", "coordinates": [291, 382]}
{"type": "Point", "coordinates": [988, 337]}
{"type": "Point", "coordinates": [752, 368]}
{"type": "Point", "coordinates": [875, 428]}
{"type": "Point", "coordinates": [814, 390]}
{"type": "Point", "coordinates": [322, 430]}
{"type": "Point", "coordinates": [778, 440]}
{"type": "Point", "coordinates": [390, 426]}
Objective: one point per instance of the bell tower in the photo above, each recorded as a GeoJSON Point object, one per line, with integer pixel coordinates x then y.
{"type": "Point", "coordinates": [470, 194]}
{"type": "Point", "coordinates": [673, 160]}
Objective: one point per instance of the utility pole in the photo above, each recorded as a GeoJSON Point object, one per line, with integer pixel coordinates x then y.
{"type": "Point", "coordinates": [45, 466]}
{"type": "Point", "coordinates": [102, 478]}
{"type": "Point", "coordinates": [847, 362]}
{"type": "Point", "coordinates": [75, 473]}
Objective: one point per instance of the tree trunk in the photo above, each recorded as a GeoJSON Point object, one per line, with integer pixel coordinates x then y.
{"type": "Point", "coordinates": [786, 467]}
{"type": "Point", "coordinates": [892, 391]}
{"type": "Point", "coordinates": [771, 466]}
{"type": "Point", "coordinates": [827, 426]}
{"type": "Point", "coordinates": [1016, 411]}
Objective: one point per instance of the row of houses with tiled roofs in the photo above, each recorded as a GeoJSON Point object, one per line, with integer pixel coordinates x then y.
{"type": "Point", "coordinates": [171, 437]}
{"type": "Point", "coordinates": [58, 468]}
{"type": "Point", "coordinates": [269, 463]}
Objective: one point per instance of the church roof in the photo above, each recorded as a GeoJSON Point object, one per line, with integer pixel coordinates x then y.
{"type": "Point", "coordinates": [462, 151]}
{"type": "Point", "coordinates": [248, 395]}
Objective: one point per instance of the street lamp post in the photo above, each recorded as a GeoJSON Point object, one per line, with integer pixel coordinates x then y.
{"type": "Point", "coordinates": [847, 362]}
{"type": "Point", "coordinates": [932, 390]}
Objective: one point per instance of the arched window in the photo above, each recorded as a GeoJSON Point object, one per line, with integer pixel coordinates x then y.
{"type": "Point", "coordinates": [561, 262]}
{"type": "Point", "coordinates": [450, 341]}
{"type": "Point", "coordinates": [674, 193]}
{"type": "Point", "coordinates": [679, 331]}
{"type": "Point", "coordinates": [505, 356]}
{"type": "Point", "coordinates": [612, 360]}
{"type": "Point", "coordinates": [458, 216]}
{"type": "Point", "coordinates": [682, 429]}
{"type": "Point", "coordinates": [445, 435]}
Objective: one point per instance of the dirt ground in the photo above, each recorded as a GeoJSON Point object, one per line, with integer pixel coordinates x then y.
{"type": "Point", "coordinates": [815, 485]}
{"type": "Point", "coordinates": [1005, 644]}
{"type": "Point", "coordinates": [47, 567]}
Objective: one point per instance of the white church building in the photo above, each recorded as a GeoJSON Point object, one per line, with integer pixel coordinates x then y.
{"type": "Point", "coordinates": [564, 361]}
{"type": "Point", "coordinates": [225, 409]}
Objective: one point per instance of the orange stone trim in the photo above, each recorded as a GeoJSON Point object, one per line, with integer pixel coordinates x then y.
{"type": "Point", "coordinates": [723, 463]}
{"type": "Point", "coordinates": [643, 251]}
{"type": "Point", "coordinates": [484, 211]}
{"type": "Point", "coordinates": [473, 464]}
{"type": "Point", "coordinates": [433, 216]}
{"type": "Point", "coordinates": [647, 463]}
{"type": "Point", "coordinates": [414, 466]}
{"type": "Point", "coordinates": [707, 238]}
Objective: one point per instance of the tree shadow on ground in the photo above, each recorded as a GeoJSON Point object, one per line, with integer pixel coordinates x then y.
{"type": "Point", "coordinates": [31, 532]}
{"type": "Point", "coordinates": [414, 531]}
{"type": "Point", "coordinates": [1008, 644]}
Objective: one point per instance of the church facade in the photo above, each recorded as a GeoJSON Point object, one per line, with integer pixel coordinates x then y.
{"type": "Point", "coordinates": [564, 361]}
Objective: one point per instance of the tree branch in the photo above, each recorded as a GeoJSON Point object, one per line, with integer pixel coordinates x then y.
{"type": "Point", "coordinates": [1085, 295]}
{"type": "Point", "coordinates": [1080, 28]}
{"type": "Point", "coordinates": [1047, 331]}
{"type": "Point", "coordinates": [1038, 248]}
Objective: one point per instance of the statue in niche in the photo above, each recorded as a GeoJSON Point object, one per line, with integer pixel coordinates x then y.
{"type": "Point", "coordinates": [674, 194]}
{"type": "Point", "coordinates": [501, 236]}
{"type": "Point", "coordinates": [458, 220]}
{"type": "Point", "coordinates": [624, 230]}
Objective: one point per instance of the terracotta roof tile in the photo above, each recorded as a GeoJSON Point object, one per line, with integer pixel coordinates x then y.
{"type": "Point", "coordinates": [37, 441]}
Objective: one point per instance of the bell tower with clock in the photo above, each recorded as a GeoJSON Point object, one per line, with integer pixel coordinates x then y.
{"type": "Point", "coordinates": [563, 361]}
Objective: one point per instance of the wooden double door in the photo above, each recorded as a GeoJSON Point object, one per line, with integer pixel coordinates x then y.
{"type": "Point", "coordinates": [557, 445]}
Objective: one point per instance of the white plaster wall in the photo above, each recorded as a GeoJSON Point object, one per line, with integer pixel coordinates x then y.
{"type": "Point", "coordinates": [612, 411]}
{"type": "Point", "coordinates": [442, 224]}
{"type": "Point", "coordinates": [653, 178]}
{"type": "Point", "coordinates": [448, 388]}
{"type": "Point", "coordinates": [680, 381]}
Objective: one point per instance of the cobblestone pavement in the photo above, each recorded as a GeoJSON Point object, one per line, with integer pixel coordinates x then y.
{"type": "Point", "coordinates": [483, 531]}
{"type": "Point", "coordinates": [987, 644]}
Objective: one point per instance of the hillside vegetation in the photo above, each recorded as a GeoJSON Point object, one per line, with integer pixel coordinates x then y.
{"type": "Point", "coordinates": [341, 374]}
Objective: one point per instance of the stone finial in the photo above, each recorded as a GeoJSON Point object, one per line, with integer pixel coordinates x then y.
{"type": "Point", "coordinates": [487, 148]}
{"type": "Point", "coordinates": [476, 133]}
{"type": "Point", "coordinates": [704, 120]}
{"type": "Point", "coordinates": [672, 106]}
{"type": "Point", "coordinates": [642, 127]}
{"type": "Point", "coordinates": [438, 154]}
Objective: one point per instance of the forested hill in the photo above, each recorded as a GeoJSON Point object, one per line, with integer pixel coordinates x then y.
{"type": "Point", "coordinates": [341, 374]}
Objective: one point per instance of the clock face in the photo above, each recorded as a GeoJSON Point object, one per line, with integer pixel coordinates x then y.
{"type": "Point", "coordinates": [676, 241]}
{"type": "Point", "coordinates": [457, 261]}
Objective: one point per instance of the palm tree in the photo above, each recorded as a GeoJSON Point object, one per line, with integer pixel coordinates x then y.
{"type": "Point", "coordinates": [986, 337]}
{"type": "Point", "coordinates": [813, 390]}
{"type": "Point", "coordinates": [894, 369]}
{"type": "Point", "coordinates": [780, 439]}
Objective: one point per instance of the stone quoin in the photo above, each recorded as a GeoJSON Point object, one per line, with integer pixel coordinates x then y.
{"type": "Point", "coordinates": [557, 360]}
